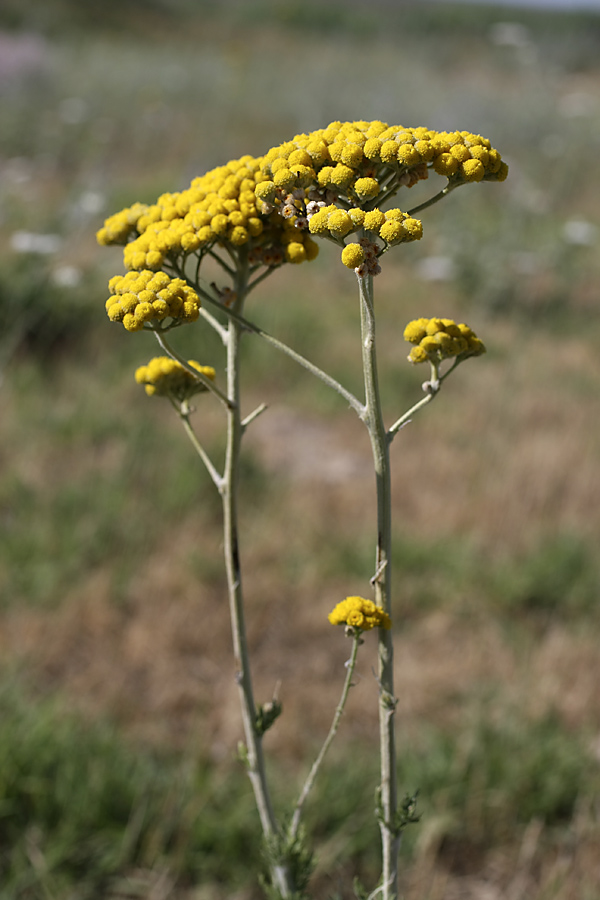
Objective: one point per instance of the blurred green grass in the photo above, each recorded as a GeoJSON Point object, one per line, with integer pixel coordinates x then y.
{"type": "Point", "coordinates": [105, 104]}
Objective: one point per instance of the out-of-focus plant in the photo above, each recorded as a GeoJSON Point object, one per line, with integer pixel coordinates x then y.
{"type": "Point", "coordinates": [249, 218]}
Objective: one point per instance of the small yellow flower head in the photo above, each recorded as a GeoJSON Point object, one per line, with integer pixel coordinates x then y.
{"type": "Point", "coordinates": [372, 149]}
{"type": "Point", "coordinates": [391, 232]}
{"type": "Point", "coordinates": [366, 188]}
{"type": "Point", "coordinates": [266, 191]}
{"type": "Point", "coordinates": [353, 255]}
{"type": "Point", "coordinates": [360, 614]}
{"type": "Point", "coordinates": [164, 376]}
{"type": "Point", "coordinates": [415, 331]}
{"type": "Point", "coordinates": [339, 223]}
{"type": "Point", "coordinates": [140, 297]}
{"type": "Point", "coordinates": [472, 170]}
{"type": "Point", "coordinates": [445, 164]}
{"type": "Point", "coordinates": [408, 155]}
{"type": "Point", "coordinates": [295, 252]}
{"type": "Point", "coordinates": [417, 355]}
{"type": "Point", "coordinates": [374, 220]}
{"type": "Point", "coordinates": [438, 339]}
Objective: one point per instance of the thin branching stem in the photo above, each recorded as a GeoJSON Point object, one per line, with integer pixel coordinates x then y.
{"type": "Point", "coordinates": [407, 416]}
{"type": "Point", "coordinates": [218, 259]}
{"type": "Point", "coordinates": [214, 323]}
{"type": "Point", "coordinates": [432, 388]}
{"type": "Point", "coordinates": [259, 279]}
{"type": "Point", "coordinates": [435, 199]}
{"type": "Point", "coordinates": [253, 415]}
{"type": "Point", "coordinates": [308, 784]}
{"type": "Point", "coordinates": [327, 379]}
{"type": "Point", "coordinates": [197, 375]}
{"type": "Point", "coordinates": [183, 412]}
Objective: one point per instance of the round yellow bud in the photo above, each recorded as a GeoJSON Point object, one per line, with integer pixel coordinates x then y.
{"type": "Point", "coordinates": [389, 152]}
{"type": "Point", "coordinates": [357, 215]}
{"type": "Point", "coordinates": [414, 228]}
{"type": "Point", "coordinates": [366, 188]}
{"type": "Point", "coordinates": [472, 170]}
{"type": "Point", "coordinates": [284, 179]}
{"type": "Point", "coordinates": [374, 220]}
{"type": "Point", "coordinates": [353, 255]}
{"type": "Point", "coordinates": [408, 155]}
{"type": "Point", "coordinates": [342, 175]}
{"type": "Point", "coordinates": [414, 331]}
{"type": "Point", "coordinates": [417, 355]}
{"type": "Point", "coordinates": [391, 231]}
{"type": "Point", "coordinates": [339, 223]}
{"type": "Point", "coordinates": [295, 252]}
{"type": "Point", "coordinates": [372, 148]}
{"type": "Point", "coordinates": [445, 164]}
{"type": "Point", "coordinates": [352, 155]}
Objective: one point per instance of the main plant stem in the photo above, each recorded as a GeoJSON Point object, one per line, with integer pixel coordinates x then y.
{"type": "Point", "coordinates": [254, 751]}
{"type": "Point", "coordinates": [373, 419]}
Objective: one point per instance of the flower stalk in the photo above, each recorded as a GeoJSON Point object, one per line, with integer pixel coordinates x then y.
{"type": "Point", "coordinates": [309, 783]}
{"type": "Point", "coordinates": [382, 582]}
{"type": "Point", "coordinates": [254, 756]}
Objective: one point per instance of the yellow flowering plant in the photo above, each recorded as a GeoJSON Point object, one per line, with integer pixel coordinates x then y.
{"type": "Point", "coordinates": [250, 217]}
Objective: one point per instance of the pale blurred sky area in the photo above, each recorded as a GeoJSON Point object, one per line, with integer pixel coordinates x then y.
{"type": "Point", "coordinates": [544, 4]}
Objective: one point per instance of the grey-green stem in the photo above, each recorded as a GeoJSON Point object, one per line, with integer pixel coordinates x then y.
{"type": "Point", "coordinates": [235, 429]}
{"type": "Point", "coordinates": [373, 419]}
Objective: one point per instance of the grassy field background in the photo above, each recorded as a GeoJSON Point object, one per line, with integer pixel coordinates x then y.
{"type": "Point", "coordinates": [118, 709]}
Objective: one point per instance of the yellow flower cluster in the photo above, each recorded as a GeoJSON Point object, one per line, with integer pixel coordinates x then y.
{"type": "Point", "coordinates": [140, 297]}
{"type": "Point", "coordinates": [332, 178]}
{"type": "Point", "coordinates": [163, 376]}
{"type": "Point", "coordinates": [438, 339]}
{"type": "Point", "coordinates": [359, 613]}
{"type": "Point", "coordinates": [218, 208]}
{"type": "Point", "coordinates": [329, 183]}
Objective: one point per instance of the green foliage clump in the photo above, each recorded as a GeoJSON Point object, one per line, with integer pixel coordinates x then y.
{"type": "Point", "coordinates": [79, 807]}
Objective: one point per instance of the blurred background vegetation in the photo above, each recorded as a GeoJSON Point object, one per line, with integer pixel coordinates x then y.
{"type": "Point", "coordinates": [118, 707]}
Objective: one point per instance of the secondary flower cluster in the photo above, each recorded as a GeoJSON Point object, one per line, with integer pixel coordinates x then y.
{"type": "Point", "coordinates": [140, 297]}
{"type": "Point", "coordinates": [359, 613]}
{"type": "Point", "coordinates": [333, 181]}
{"type": "Point", "coordinates": [218, 208]}
{"type": "Point", "coordinates": [165, 376]}
{"type": "Point", "coordinates": [438, 339]}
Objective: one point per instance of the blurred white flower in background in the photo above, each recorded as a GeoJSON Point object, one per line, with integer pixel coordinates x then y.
{"type": "Point", "coordinates": [66, 276]}
{"type": "Point", "coordinates": [29, 242]}
{"type": "Point", "coordinates": [578, 231]}
{"type": "Point", "coordinates": [436, 268]}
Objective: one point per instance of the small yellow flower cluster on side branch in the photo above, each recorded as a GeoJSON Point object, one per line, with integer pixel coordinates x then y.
{"type": "Point", "coordinates": [334, 180]}
{"type": "Point", "coordinates": [140, 297]}
{"type": "Point", "coordinates": [356, 612]}
{"type": "Point", "coordinates": [439, 339]}
{"type": "Point", "coordinates": [164, 376]}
